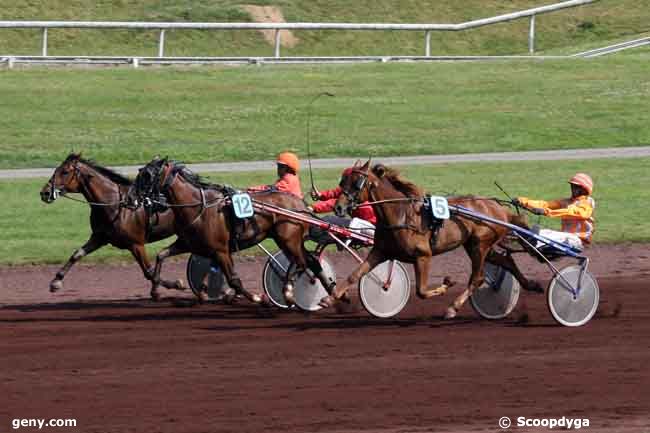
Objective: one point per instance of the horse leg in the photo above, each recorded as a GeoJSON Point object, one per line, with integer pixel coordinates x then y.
{"type": "Point", "coordinates": [374, 258]}
{"type": "Point", "coordinates": [140, 254]}
{"type": "Point", "coordinates": [94, 243]}
{"type": "Point", "coordinates": [314, 265]}
{"type": "Point", "coordinates": [224, 259]}
{"type": "Point", "coordinates": [290, 283]}
{"type": "Point", "coordinates": [422, 268]}
{"type": "Point", "coordinates": [178, 247]}
{"type": "Point", "coordinates": [297, 264]}
{"type": "Point", "coordinates": [508, 263]}
{"type": "Point", "coordinates": [477, 253]}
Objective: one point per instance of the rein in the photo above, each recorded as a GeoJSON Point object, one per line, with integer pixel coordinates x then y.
{"type": "Point", "coordinates": [93, 203]}
{"type": "Point", "coordinates": [390, 200]}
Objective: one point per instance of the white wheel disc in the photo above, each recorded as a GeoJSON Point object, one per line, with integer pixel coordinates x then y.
{"type": "Point", "coordinates": [308, 291]}
{"type": "Point", "coordinates": [498, 295]}
{"type": "Point", "coordinates": [573, 304]}
{"type": "Point", "coordinates": [381, 301]}
{"type": "Point", "coordinates": [197, 269]}
{"type": "Point", "coordinates": [273, 275]}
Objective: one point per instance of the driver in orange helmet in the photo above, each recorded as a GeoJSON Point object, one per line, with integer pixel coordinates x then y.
{"type": "Point", "coordinates": [576, 212]}
{"type": "Point", "coordinates": [288, 181]}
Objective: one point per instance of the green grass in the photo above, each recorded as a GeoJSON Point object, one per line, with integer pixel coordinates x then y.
{"type": "Point", "coordinates": [33, 232]}
{"type": "Point", "coordinates": [590, 45]}
{"type": "Point", "coordinates": [606, 19]}
{"type": "Point", "coordinates": [123, 116]}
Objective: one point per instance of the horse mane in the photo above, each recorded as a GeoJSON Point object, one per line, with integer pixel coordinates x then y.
{"type": "Point", "coordinates": [104, 171]}
{"type": "Point", "coordinates": [404, 186]}
{"type": "Point", "coordinates": [194, 178]}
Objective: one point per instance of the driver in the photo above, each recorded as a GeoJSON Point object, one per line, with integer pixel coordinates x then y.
{"type": "Point", "coordinates": [576, 212]}
{"type": "Point", "coordinates": [363, 216]}
{"type": "Point", "coordinates": [327, 200]}
{"type": "Point", "coordinates": [288, 181]}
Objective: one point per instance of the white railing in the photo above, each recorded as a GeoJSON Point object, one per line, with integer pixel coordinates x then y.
{"type": "Point", "coordinates": [162, 27]}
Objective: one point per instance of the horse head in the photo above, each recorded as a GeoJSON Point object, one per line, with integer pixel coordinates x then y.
{"type": "Point", "coordinates": [147, 185]}
{"type": "Point", "coordinates": [66, 178]}
{"type": "Point", "coordinates": [354, 185]}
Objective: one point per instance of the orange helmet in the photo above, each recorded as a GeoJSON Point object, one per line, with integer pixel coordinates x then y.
{"type": "Point", "coordinates": [290, 160]}
{"type": "Point", "coordinates": [583, 180]}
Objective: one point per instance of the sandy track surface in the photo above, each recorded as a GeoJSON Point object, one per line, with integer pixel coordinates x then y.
{"type": "Point", "coordinates": [102, 353]}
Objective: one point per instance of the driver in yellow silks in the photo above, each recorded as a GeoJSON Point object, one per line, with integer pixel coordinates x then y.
{"type": "Point", "coordinates": [576, 212]}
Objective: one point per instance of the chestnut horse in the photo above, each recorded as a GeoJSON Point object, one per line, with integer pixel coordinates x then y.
{"type": "Point", "coordinates": [206, 224]}
{"type": "Point", "coordinates": [403, 231]}
{"type": "Point", "coordinates": [110, 221]}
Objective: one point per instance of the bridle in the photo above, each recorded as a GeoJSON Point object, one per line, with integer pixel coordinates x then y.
{"type": "Point", "coordinates": [61, 191]}
{"type": "Point", "coordinates": [358, 186]}
{"type": "Point", "coordinates": [146, 196]}
{"type": "Point", "coordinates": [160, 186]}
{"type": "Point", "coordinates": [362, 183]}
{"type": "Point", "coordinates": [56, 191]}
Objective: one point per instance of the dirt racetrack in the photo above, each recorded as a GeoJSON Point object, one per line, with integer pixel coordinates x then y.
{"type": "Point", "coordinates": [102, 353]}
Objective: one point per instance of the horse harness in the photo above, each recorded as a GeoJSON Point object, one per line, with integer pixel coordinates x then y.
{"type": "Point", "coordinates": [237, 226]}
{"type": "Point", "coordinates": [433, 224]}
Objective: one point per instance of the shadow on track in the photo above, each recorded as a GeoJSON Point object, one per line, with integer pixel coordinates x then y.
{"type": "Point", "coordinates": [248, 316]}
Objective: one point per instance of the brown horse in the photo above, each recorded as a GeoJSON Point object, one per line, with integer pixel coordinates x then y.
{"type": "Point", "coordinates": [110, 221]}
{"type": "Point", "coordinates": [404, 231]}
{"type": "Point", "coordinates": [206, 224]}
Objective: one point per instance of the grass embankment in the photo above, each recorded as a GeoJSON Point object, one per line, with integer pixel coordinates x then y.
{"type": "Point", "coordinates": [33, 232]}
{"type": "Point", "coordinates": [603, 20]}
{"type": "Point", "coordinates": [250, 113]}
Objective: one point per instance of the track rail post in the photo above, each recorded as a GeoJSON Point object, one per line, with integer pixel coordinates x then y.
{"type": "Point", "coordinates": [277, 43]}
{"type": "Point", "coordinates": [161, 43]}
{"type": "Point", "coordinates": [531, 35]}
{"type": "Point", "coordinates": [44, 44]}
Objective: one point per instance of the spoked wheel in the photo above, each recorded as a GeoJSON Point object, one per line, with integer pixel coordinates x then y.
{"type": "Point", "coordinates": [570, 303]}
{"type": "Point", "coordinates": [308, 291]}
{"type": "Point", "coordinates": [197, 269]}
{"type": "Point", "coordinates": [498, 296]}
{"type": "Point", "coordinates": [381, 297]}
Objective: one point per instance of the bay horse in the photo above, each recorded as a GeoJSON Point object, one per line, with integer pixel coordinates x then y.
{"type": "Point", "coordinates": [206, 225]}
{"type": "Point", "coordinates": [403, 231]}
{"type": "Point", "coordinates": [110, 221]}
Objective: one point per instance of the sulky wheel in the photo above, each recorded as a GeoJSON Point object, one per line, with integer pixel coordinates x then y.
{"type": "Point", "coordinates": [570, 303]}
{"type": "Point", "coordinates": [197, 269]}
{"type": "Point", "coordinates": [380, 299]}
{"type": "Point", "coordinates": [308, 291]}
{"type": "Point", "coordinates": [498, 295]}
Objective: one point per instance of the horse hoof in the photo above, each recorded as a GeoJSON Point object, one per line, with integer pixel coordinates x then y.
{"type": "Point", "coordinates": [56, 285]}
{"type": "Point", "coordinates": [203, 297]}
{"type": "Point", "coordinates": [288, 295]}
{"type": "Point", "coordinates": [327, 302]}
{"type": "Point", "coordinates": [438, 291]}
{"type": "Point", "coordinates": [155, 296]}
{"type": "Point", "coordinates": [180, 284]}
{"type": "Point", "coordinates": [266, 301]}
{"type": "Point", "coordinates": [228, 297]}
{"type": "Point", "coordinates": [451, 313]}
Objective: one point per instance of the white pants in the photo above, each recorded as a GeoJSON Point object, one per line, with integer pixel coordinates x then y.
{"type": "Point", "coordinates": [570, 239]}
{"type": "Point", "coordinates": [362, 226]}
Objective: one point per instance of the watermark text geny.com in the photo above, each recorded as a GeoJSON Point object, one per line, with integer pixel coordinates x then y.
{"type": "Point", "coordinates": [40, 423]}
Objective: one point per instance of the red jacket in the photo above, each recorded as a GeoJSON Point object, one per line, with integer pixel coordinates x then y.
{"type": "Point", "coordinates": [328, 200]}
{"type": "Point", "coordinates": [288, 183]}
